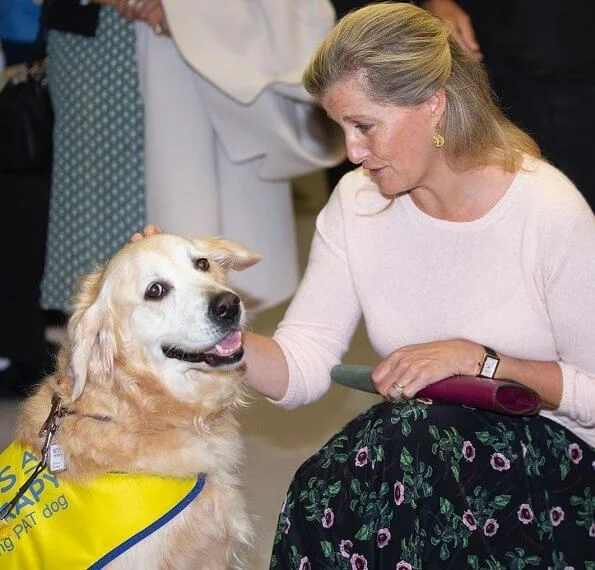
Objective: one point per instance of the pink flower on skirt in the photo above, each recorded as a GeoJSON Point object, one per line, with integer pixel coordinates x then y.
{"type": "Point", "coordinates": [469, 520]}
{"type": "Point", "coordinates": [345, 547]}
{"type": "Point", "coordinates": [362, 457]}
{"type": "Point", "coordinates": [328, 518]}
{"type": "Point", "coordinates": [575, 452]}
{"type": "Point", "coordinates": [399, 493]}
{"type": "Point", "coordinates": [358, 562]}
{"type": "Point", "coordinates": [556, 516]}
{"type": "Point", "coordinates": [500, 462]}
{"type": "Point", "coordinates": [383, 537]}
{"type": "Point", "coordinates": [490, 528]}
{"type": "Point", "coordinates": [525, 513]}
{"type": "Point", "coordinates": [468, 451]}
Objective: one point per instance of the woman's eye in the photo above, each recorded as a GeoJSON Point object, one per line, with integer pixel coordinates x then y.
{"type": "Point", "coordinates": [156, 290]}
{"type": "Point", "coordinates": [364, 128]}
{"type": "Point", "coordinates": [202, 263]}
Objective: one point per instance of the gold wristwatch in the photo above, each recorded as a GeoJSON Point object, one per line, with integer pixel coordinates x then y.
{"type": "Point", "coordinates": [489, 364]}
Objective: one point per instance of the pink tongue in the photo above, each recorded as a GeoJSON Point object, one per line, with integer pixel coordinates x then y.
{"type": "Point", "coordinates": [227, 345]}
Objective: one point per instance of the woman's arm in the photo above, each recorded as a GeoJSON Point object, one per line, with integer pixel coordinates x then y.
{"type": "Point", "coordinates": [266, 367]}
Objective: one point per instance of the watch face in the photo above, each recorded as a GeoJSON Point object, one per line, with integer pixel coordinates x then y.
{"type": "Point", "coordinates": [489, 366]}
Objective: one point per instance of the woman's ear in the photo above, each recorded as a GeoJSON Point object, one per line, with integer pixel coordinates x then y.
{"type": "Point", "coordinates": [437, 104]}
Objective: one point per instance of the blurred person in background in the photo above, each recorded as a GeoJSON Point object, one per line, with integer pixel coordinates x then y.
{"type": "Point", "coordinates": [191, 116]}
{"type": "Point", "coordinates": [541, 61]}
{"type": "Point", "coordinates": [24, 196]}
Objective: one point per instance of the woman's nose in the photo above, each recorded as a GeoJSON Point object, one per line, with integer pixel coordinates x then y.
{"type": "Point", "coordinates": [356, 153]}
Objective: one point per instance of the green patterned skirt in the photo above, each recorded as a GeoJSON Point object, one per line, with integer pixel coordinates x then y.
{"type": "Point", "coordinates": [436, 486]}
{"type": "Point", "coordinates": [97, 198]}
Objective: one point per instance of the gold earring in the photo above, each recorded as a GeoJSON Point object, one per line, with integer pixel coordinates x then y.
{"type": "Point", "coordinates": [437, 139]}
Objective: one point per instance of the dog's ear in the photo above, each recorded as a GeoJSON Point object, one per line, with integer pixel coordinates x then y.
{"type": "Point", "coordinates": [229, 254]}
{"type": "Point", "coordinates": [91, 336]}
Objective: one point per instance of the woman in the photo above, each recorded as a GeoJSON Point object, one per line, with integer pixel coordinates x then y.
{"type": "Point", "coordinates": [451, 236]}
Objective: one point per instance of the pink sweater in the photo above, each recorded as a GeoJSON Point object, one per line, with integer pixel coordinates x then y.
{"type": "Point", "coordinates": [520, 280]}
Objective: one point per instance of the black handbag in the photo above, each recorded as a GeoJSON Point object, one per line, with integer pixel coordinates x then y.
{"type": "Point", "coordinates": [26, 119]}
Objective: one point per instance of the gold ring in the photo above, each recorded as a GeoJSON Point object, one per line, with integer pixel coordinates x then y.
{"type": "Point", "coordinates": [398, 388]}
{"type": "Point", "coordinates": [158, 29]}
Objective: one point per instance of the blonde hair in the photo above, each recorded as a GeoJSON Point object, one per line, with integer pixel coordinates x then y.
{"type": "Point", "coordinates": [406, 55]}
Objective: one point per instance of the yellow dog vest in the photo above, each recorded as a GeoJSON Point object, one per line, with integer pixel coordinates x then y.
{"type": "Point", "coordinates": [71, 526]}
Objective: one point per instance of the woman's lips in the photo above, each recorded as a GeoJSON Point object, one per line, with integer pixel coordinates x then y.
{"type": "Point", "coordinates": [375, 171]}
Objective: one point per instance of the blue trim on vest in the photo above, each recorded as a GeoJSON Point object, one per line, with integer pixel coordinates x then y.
{"type": "Point", "coordinates": [194, 492]}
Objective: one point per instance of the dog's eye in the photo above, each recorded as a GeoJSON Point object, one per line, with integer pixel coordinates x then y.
{"type": "Point", "coordinates": [202, 263]}
{"type": "Point", "coordinates": [156, 290]}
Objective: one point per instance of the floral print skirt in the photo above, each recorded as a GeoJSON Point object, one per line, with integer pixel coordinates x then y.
{"type": "Point", "coordinates": [432, 485]}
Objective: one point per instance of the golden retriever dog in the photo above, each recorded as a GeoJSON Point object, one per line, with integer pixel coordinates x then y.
{"type": "Point", "coordinates": [147, 383]}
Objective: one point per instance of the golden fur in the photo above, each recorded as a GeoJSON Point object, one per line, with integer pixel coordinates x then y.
{"type": "Point", "coordinates": [166, 416]}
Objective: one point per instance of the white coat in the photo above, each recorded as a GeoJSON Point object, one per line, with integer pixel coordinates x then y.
{"type": "Point", "coordinates": [228, 124]}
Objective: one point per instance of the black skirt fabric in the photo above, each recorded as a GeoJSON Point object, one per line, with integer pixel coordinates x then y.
{"type": "Point", "coordinates": [431, 485]}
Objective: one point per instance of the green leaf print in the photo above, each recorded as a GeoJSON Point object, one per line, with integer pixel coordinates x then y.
{"type": "Point", "coordinates": [500, 439]}
{"type": "Point", "coordinates": [327, 549]}
{"type": "Point", "coordinates": [545, 529]}
{"type": "Point", "coordinates": [373, 509]}
{"type": "Point", "coordinates": [379, 452]}
{"type": "Point", "coordinates": [446, 507]}
{"type": "Point", "coordinates": [414, 545]}
{"type": "Point", "coordinates": [406, 459]}
{"type": "Point", "coordinates": [449, 448]}
{"type": "Point", "coordinates": [370, 436]}
{"type": "Point", "coordinates": [415, 479]}
{"type": "Point", "coordinates": [404, 413]}
{"type": "Point", "coordinates": [517, 561]}
{"type": "Point", "coordinates": [489, 563]}
{"type": "Point", "coordinates": [483, 509]}
{"type": "Point", "coordinates": [557, 443]}
{"type": "Point", "coordinates": [444, 552]}
{"type": "Point", "coordinates": [318, 497]}
{"type": "Point", "coordinates": [586, 510]}
{"type": "Point", "coordinates": [331, 452]}
{"type": "Point", "coordinates": [450, 531]}
{"type": "Point", "coordinates": [534, 459]}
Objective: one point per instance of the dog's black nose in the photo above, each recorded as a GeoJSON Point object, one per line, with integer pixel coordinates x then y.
{"type": "Point", "coordinates": [224, 307]}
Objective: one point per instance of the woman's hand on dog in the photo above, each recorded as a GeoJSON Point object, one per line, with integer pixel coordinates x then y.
{"type": "Point", "coordinates": [149, 230]}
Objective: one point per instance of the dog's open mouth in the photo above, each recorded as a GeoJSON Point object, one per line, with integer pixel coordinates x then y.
{"type": "Point", "coordinates": [226, 351]}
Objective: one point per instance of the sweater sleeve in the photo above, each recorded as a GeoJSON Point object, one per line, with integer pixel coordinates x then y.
{"type": "Point", "coordinates": [570, 297]}
{"type": "Point", "coordinates": [318, 326]}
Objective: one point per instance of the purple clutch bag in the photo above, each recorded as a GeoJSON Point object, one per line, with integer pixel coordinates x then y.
{"type": "Point", "coordinates": [501, 396]}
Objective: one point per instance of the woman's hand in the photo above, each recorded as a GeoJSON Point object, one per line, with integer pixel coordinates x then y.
{"type": "Point", "coordinates": [149, 230]}
{"type": "Point", "coordinates": [459, 23]}
{"type": "Point", "coordinates": [410, 368]}
{"type": "Point", "coordinates": [151, 11]}
{"type": "Point", "coordinates": [126, 8]}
